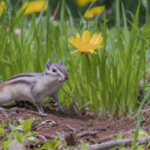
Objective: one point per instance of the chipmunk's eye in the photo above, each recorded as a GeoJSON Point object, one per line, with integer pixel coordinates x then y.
{"type": "Point", "coordinates": [53, 70]}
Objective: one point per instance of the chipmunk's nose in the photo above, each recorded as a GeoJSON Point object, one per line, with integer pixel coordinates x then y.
{"type": "Point", "coordinates": [67, 77]}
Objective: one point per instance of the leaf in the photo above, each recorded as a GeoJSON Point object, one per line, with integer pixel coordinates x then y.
{"type": "Point", "coordinates": [9, 137]}
{"type": "Point", "coordinates": [29, 134]}
{"type": "Point", "coordinates": [26, 125]}
{"type": "Point", "coordinates": [140, 147]}
{"type": "Point", "coordinates": [11, 127]}
{"type": "Point", "coordinates": [119, 136]}
{"type": "Point", "coordinates": [142, 133]}
{"type": "Point", "coordinates": [18, 17]}
{"type": "Point", "coordinates": [18, 127]}
{"type": "Point", "coordinates": [57, 138]}
{"type": "Point", "coordinates": [6, 144]}
{"type": "Point", "coordinates": [40, 16]}
{"type": "Point", "coordinates": [2, 125]}
{"type": "Point", "coordinates": [1, 130]}
{"type": "Point", "coordinates": [50, 144]}
{"type": "Point", "coordinates": [148, 145]}
{"type": "Point", "coordinates": [112, 138]}
{"type": "Point", "coordinates": [84, 147]}
{"type": "Point", "coordinates": [14, 128]}
{"type": "Point", "coordinates": [17, 136]}
{"type": "Point", "coordinates": [146, 29]}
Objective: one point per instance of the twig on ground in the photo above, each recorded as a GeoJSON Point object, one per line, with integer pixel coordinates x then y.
{"type": "Point", "coordinates": [46, 135]}
{"type": "Point", "coordinates": [146, 110]}
{"type": "Point", "coordinates": [43, 137]}
{"type": "Point", "coordinates": [132, 124]}
{"type": "Point", "coordinates": [71, 128]}
{"type": "Point", "coordinates": [43, 124]}
{"type": "Point", "coordinates": [115, 135]}
{"type": "Point", "coordinates": [86, 133]}
{"type": "Point", "coordinates": [117, 143]}
{"type": "Point", "coordinates": [40, 128]}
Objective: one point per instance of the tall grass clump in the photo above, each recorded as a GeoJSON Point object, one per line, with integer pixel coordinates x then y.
{"type": "Point", "coordinates": [108, 80]}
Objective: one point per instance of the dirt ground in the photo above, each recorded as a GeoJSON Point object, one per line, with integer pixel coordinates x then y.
{"type": "Point", "coordinates": [73, 127]}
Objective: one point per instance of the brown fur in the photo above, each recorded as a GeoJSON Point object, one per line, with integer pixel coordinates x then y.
{"type": "Point", "coordinates": [35, 86]}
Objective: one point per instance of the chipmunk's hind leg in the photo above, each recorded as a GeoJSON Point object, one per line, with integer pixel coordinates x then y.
{"type": "Point", "coordinates": [40, 108]}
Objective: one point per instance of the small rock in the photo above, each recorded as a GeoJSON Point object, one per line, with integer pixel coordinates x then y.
{"type": "Point", "coordinates": [70, 139]}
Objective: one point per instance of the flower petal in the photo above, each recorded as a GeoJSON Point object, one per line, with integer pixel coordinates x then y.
{"type": "Point", "coordinates": [88, 14]}
{"type": "Point", "coordinates": [34, 6]}
{"type": "Point", "coordinates": [94, 11]}
{"type": "Point", "coordinates": [78, 37]}
{"type": "Point", "coordinates": [86, 37]}
{"type": "Point", "coordinates": [85, 44]}
{"type": "Point", "coordinates": [84, 2]}
{"type": "Point", "coordinates": [72, 40]}
{"type": "Point", "coordinates": [96, 38]}
{"type": "Point", "coordinates": [2, 6]}
{"type": "Point", "coordinates": [98, 10]}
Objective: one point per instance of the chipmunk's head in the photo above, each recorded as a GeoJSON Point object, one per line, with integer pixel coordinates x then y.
{"type": "Point", "coordinates": [57, 71]}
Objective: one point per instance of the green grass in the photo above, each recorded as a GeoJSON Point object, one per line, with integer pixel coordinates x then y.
{"type": "Point", "coordinates": [110, 83]}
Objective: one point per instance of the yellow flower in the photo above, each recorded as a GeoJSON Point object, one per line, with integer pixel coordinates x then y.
{"type": "Point", "coordinates": [2, 5]}
{"type": "Point", "coordinates": [84, 2]}
{"type": "Point", "coordinates": [34, 6]}
{"type": "Point", "coordinates": [94, 11]}
{"type": "Point", "coordinates": [86, 44]}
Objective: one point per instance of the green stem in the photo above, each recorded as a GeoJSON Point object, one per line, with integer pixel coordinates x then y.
{"type": "Point", "coordinates": [147, 9]}
{"type": "Point", "coordinates": [87, 24]}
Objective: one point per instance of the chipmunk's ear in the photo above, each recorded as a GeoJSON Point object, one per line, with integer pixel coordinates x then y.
{"type": "Point", "coordinates": [60, 62]}
{"type": "Point", "coordinates": [48, 64]}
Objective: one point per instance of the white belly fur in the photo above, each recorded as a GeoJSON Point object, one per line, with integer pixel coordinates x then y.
{"type": "Point", "coordinates": [15, 93]}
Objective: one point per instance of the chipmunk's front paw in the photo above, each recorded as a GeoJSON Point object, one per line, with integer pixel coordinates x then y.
{"type": "Point", "coordinates": [43, 115]}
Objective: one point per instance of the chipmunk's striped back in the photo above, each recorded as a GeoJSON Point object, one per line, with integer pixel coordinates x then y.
{"type": "Point", "coordinates": [35, 86]}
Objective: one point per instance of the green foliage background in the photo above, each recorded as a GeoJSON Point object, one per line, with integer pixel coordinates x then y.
{"type": "Point", "coordinates": [108, 81]}
{"type": "Point", "coordinates": [76, 11]}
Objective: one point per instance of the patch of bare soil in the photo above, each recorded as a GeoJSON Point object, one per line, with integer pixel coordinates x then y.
{"type": "Point", "coordinates": [72, 127]}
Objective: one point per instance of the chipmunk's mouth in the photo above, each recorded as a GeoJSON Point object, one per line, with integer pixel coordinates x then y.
{"type": "Point", "coordinates": [64, 80]}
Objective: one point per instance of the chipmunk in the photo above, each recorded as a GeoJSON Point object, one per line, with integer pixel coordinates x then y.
{"type": "Point", "coordinates": [35, 87]}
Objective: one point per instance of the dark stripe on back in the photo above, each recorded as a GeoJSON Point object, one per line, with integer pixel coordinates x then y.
{"type": "Point", "coordinates": [20, 82]}
{"type": "Point", "coordinates": [20, 75]}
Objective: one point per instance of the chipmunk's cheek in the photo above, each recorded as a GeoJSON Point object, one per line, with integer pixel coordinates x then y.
{"type": "Point", "coordinates": [61, 79]}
